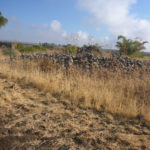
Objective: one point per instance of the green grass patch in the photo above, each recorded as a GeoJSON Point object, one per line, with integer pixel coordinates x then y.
{"type": "Point", "coordinates": [138, 55]}
{"type": "Point", "coordinates": [32, 49]}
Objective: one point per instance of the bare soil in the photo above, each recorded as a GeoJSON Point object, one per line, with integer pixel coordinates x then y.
{"type": "Point", "coordinates": [35, 120]}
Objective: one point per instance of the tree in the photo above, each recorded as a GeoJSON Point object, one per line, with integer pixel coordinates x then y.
{"type": "Point", "coordinates": [128, 46]}
{"type": "Point", "coordinates": [3, 20]}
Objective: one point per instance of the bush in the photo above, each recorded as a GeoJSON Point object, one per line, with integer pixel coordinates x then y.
{"type": "Point", "coordinates": [70, 49]}
{"type": "Point", "coordinates": [39, 47]}
{"type": "Point", "coordinates": [94, 49]}
{"type": "Point", "coordinates": [9, 52]}
{"type": "Point", "coordinates": [139, 55]}
{"type": "Point", "coordinates": [49, 46]}
{"type": "Point", "coordinates": [128, 46]}
{"type": "Point", "coordinates": [28, 49]}
{"type": "Point", "coordinates": [32, 49]}
{"type": "Point", "coordinates": [19, 46]}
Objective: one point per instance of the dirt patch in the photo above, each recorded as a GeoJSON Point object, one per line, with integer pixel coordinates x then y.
{"type": "Point", "coordinates": [31, 119]}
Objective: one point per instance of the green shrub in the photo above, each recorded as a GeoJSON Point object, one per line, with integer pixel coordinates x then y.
{"type": "Point", "coordinates": [39, 47]}
{"type": "Point", "coordinates": [9, 52]}
{"type": "Point", "coordinates": [138, 55]}
{"type": "Point", "coordinates": [93, 49]}
{"type": "Point", "coordinates": [28, 49]}
{"type": "Point", "coordinates": [19, 46]}
{"type": "Point", "coordinates": [128, 46]}
{"type": "Point", "coordinates": [49, 46]}
{"type": "Point", "coordinates": [32, 49]}
{"type": "Point", "coordinates": [70, 49]}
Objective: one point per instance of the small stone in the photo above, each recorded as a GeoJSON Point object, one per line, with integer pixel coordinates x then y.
{"type": "Point", "coordinates": [140, 117]}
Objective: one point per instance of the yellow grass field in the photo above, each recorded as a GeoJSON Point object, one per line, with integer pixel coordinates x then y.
{"type": "Point", "coordinates": [127, 95]}
{"type": "Point", "coordinates": [43, 106]}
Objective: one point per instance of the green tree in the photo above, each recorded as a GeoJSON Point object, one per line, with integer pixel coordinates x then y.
{"type": "Point", "coordinates": [128, 46]}
{"type": "Point", "coordinates": [3, 20]}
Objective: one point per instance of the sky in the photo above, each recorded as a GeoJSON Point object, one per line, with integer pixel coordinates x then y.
{"type": "Point", "coordinates": [75, 21]}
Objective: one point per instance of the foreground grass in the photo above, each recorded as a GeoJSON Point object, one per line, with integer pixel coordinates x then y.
{"type": "Point", "coordinates": [127, 95]}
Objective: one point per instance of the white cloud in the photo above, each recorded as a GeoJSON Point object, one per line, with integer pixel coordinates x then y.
{"type": "Point", "coordinates": [15, 30]}
{"type": "Point", "coordinates": [118, 18]}
{"type": "Point", "coordinates": [64, 34]}
{"type": "Point", "coordinates": [80, 38]}
{"type": "Point", "coordinates": [55, 26]}
{"type": "Point", "coordinates": [52, 33]}
{"type": "Point", "coordinates": [98, 29]}
{"type": "Point", "coordinates": [33, 25]}
{"type": "Point", "coordinates": [45, 25]}
{"type": "Point", "coordinates": [13, 18]}
{"type": "Point", "coordinates": [82, 35]}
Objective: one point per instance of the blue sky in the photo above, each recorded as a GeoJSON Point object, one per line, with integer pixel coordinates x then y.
{"type": "Point", "coordinates": [75, 21]}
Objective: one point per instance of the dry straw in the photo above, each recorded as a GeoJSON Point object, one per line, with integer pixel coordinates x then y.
{"type": "Point", "coordinates": [113, 92]}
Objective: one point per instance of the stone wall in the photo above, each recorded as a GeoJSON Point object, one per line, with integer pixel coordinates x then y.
{"type": "Point", "coordinates": [91, 62]}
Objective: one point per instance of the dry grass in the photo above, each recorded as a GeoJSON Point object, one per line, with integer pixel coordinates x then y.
{"type": "Point", "coordinates": [127, 95]}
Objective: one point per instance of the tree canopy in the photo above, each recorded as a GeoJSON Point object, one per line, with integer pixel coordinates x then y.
{"type": "Point", "coordinates": [128, 46]}
{"type": "Point", "coordinates": [3, 20]}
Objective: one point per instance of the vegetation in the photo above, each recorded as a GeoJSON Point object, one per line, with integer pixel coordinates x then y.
{"type": "Point", "coordinates": [128, 46]}
{"type": "Point", "coordinates": [9, 52]}
{"type": "Point", "coordinates": [118, 93]}
{"type": "Point", "coordinates": [39, 47]}
{"type": "Point", "coordinates": [30, 49]}
{"type": "Point", "coordinates": [49, 46]}
{"type": "Point", "coordinates": [97, 47]}
{"type": "Point", "coordinates": [70, 49]}
{"type": "Point", "coordinates": [53, 105]}
{"type": "Point", "coordinates": [94, 49]}
{"type": "Point", "coordinates": [3, 20]}
{"type": "Point", "coordinates": [138, 55]}
{"type": "Point", "coordinates": [6, 44]}
{"type": "Point", "coordinates": [19, 46]}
